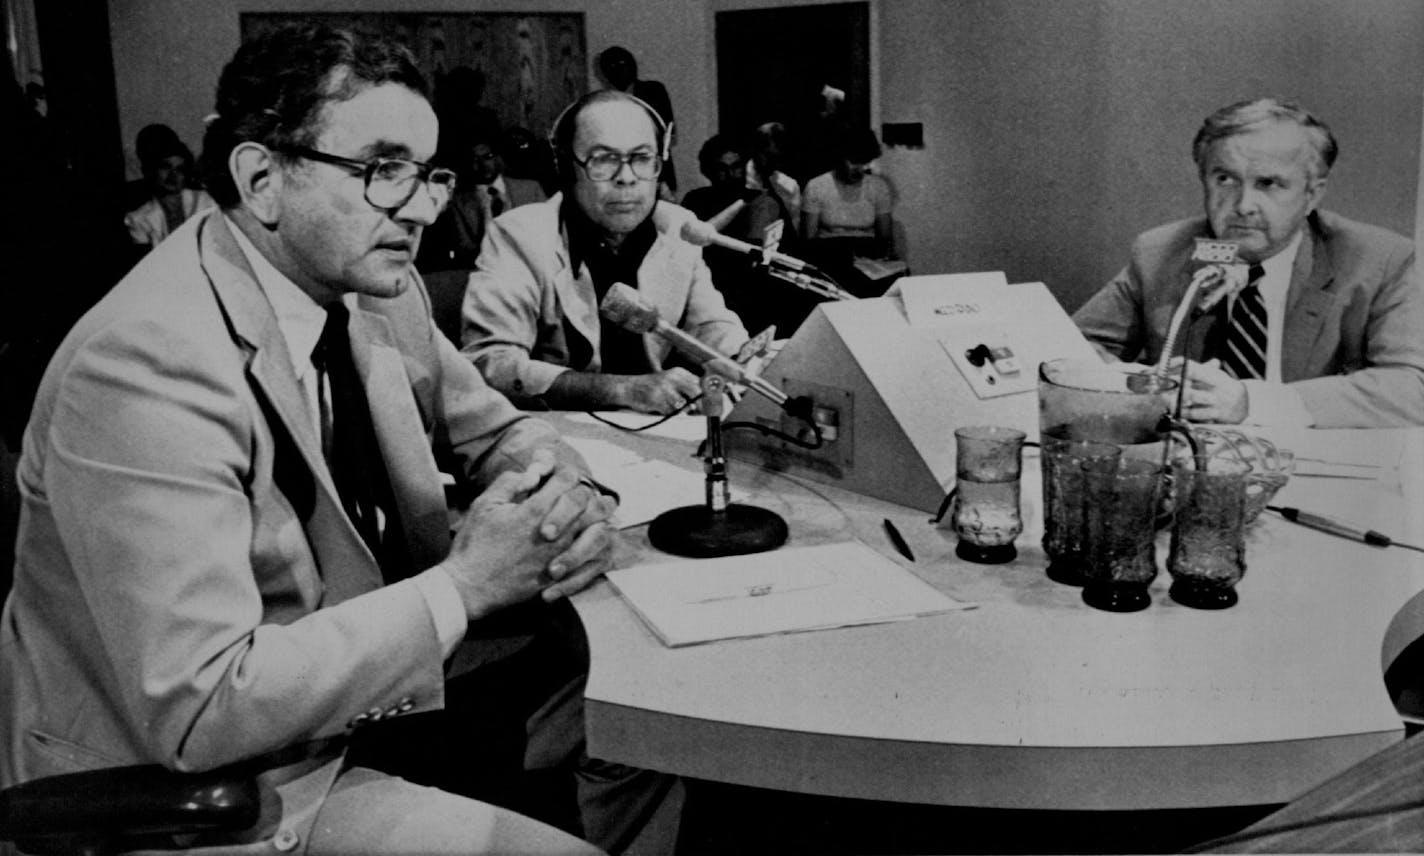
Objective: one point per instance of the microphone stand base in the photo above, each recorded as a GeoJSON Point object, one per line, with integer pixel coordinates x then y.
{"type": "Point", "coordinates": [698, 532]}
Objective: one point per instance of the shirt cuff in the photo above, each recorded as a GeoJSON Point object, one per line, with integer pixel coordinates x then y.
{"type": "Point", "coordinates": [1275, 404]}
{"type": "Point", "coordinates": [447, 611]}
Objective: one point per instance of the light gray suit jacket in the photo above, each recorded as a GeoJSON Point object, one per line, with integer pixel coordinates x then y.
{"type": "Point", "coordinates": [525, 287]}
{"type": "Point", "coordinates": [1353, 341]}
{"type": "Point", "coordinates": [188, 590]}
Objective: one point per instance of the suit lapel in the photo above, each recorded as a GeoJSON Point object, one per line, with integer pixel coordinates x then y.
{"type": "Point", "coordinates": [405, 449]}
{"type": "Point", "coordinates": [576, 294]}
{"type": "Point", "coordinates": [346, 566]}
{"type": "Point", "coordinates": [1308, 303]}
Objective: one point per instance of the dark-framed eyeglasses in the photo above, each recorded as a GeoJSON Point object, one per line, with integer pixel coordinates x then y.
{"type": "Point", "coordinates": [605, 164]}
{"type": "Point", "coordinates": [390, 182]}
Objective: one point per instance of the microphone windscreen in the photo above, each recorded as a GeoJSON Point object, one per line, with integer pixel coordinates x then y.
{"type": "Point", "coordinates": [626, 307]}
{"type": "Point", "coordinates": [719, 221]}
{"type": "Point", "coordinates": [698, 233]}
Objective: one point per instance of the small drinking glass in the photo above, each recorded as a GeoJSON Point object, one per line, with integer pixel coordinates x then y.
{"type": "Point", "coordinates": [988, 463]}
{"type": "Point", "coordinates": [1064, 498]}
{"type": "Point", "coordinates": [1208, 553]}
{"type": "Point", "coordinates": [1120, 553]}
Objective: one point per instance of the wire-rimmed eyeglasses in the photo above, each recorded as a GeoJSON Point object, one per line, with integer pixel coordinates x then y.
{"type": "Point", "coordinates": [605, 164]}
{"type": "Point", "coordinates": [390, 182]}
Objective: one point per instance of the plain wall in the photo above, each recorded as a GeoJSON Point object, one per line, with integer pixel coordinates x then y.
{"type": "Point", "coordinates": [1055, 130]}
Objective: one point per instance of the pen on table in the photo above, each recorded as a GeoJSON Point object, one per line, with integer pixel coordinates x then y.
{"type": "Point", "coordinates": [1335, 527]}
{"type": "Point", "coordinates": [898, 540]}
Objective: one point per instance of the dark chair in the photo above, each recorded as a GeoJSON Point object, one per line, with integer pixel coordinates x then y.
{"type": "Point", "coordinates": [109, 811]}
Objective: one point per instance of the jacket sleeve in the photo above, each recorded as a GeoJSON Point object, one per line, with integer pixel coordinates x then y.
{"type": "Point", "coordinates": [1112, 319]}
{"type": "Point", "coordinates": [501, 317]}
{"type": "Point", "coordinates": [1385, 386]}
{"type": "Point", "coordinates": [707, 316]}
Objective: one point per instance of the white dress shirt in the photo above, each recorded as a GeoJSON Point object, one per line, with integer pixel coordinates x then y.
{"type": "Point", "coordinates": [301, 320]}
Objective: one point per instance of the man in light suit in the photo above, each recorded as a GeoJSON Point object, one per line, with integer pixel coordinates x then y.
{"type": "Point", "coordinates": [1341, 342]}
{"type": "Point", "coordinates": [530, 318]}
{"type": "Point", "coordinates": [204, 577]}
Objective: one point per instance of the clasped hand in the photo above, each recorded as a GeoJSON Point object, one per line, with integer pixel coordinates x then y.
{"type": "Point", "coordinates": [540, 531]}
{"type": "Point", "coordinates": [1212, 395]}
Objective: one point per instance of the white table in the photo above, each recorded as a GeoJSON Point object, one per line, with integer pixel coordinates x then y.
{"type": "Point", "coordinates": [1033, 699]}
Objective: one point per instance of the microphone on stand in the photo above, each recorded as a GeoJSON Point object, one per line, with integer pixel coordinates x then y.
{"type": "Point", "coordinates": [719, 221]}
{"type": "Point", "coordinates": [789, 268]}
{"type": "Point", "coordinates": [719, 527]}
{"type": "Point", "coordinates": [1218, 271]}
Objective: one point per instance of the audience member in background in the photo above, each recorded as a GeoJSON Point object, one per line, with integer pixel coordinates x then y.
{"type": "Point", "coordinates": [168, 172]}
{"type": "Point", "coordinates": [846, 213]}
{"type": "Point", "coordinates": [230, 494]}
{"type": "Point", "coordinates": [531, 319]}
{"type": "Point", "coordinates": [458, 104]}
{"type": "Point", "coordinates": [1326, 330]}
{"type": "Point", "coordinates": [619, 70]}
{"type": "Point", "coordinates": [818, 123]}
{"type": "Point", "coordinates": [482, 193]}
{"type": "Point", "coordinates": [766, 171]}
{"type": "Point", "coordinates": [527, 155]}
{"type": "Point", "coordinates": [722, 161]}
{"type": "Point", "coordinates": [758, 298]}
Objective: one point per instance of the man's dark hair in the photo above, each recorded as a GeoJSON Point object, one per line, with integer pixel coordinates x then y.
{"type": "Point", "coordinates": [274, 89]}
{"type": "Point", "coordinates": [1244, 116]}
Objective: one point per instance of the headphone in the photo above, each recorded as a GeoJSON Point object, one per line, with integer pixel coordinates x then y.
{"type": "Point", "coordinates": [561, 133]}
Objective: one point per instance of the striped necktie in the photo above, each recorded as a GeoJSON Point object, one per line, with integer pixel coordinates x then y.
{"type": "Point", "coordinates": [1245, 355]}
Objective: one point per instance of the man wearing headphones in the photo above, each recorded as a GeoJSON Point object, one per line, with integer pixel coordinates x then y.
{"type": "Point", "coordinates": [530, 318]}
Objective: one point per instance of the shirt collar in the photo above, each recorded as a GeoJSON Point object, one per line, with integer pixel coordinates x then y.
{"type": "Point", "coordinates": [1276, 275]}
{"type": "Point", "coordinates": [299, 318]}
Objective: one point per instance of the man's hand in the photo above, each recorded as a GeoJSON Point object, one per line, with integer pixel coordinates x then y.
{"type": "Point", "coordinates": [1212, 395]}
{"type": "Point", "coordinates": [659, 392]}
{"type": "Point", "coordinates": [536, 532]}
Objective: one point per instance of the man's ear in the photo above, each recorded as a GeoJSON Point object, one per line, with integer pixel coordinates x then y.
{"type": "Point", "coordinates": [1316, 193]}
{"type": "Point", "coordinates": [258, 180]}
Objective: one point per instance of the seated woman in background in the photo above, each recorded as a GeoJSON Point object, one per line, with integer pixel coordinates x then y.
{"type": "Point", "coordinates": [167, 170]}
{"type": "Point", "coordinates": [846, 213]}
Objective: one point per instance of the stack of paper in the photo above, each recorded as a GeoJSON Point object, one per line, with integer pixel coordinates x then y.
{"type": "Point", "coordinates": [689, 601]}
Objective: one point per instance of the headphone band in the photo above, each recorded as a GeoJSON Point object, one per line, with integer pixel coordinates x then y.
{"type": "Point", "coordinates": [661, 129]}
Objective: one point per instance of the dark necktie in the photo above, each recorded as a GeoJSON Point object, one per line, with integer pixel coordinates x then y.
{"type": "Point", "coordinates": [496, 202]}
{"type": "Point", "coordinates": [349, 442]}
{"type": "Point", "coordinates": [1245, 355]}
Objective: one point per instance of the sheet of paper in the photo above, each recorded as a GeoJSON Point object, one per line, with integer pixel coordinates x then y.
{"type": "Point", "coordinates": [690, 601]}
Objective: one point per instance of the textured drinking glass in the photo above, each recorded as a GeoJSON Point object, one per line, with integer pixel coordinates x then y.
{"type": "Point", "coordinates": [1120, 556]}
{"type": "Point", "coordinates": [1208, 553]}
{"type": "Point", "coordinates": [1064, 499]}
{"type": "Point", "coordinates": [988, 463]}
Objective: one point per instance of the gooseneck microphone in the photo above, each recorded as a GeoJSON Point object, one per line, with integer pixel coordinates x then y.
{"type": "Point", "coordinates": [702, 234]}
{"type": "Point", "coordinates": [719, 527]}
{"type": "Point", "coordinates": [626, 307]}
{"type": "Point", "coordinates": [1217, 272]}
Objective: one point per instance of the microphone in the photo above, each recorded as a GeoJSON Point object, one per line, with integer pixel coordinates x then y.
{"type": "Point", "coordinates": [701, 234]}
{"type": "Point", "coordinates": [626, 307]}
{"type": "Point", "coordinates": [719, 221]}
{"type": "Point", "coordinates": [719, 527]}
{"type": "Point", "coordinates": [1218, 271]}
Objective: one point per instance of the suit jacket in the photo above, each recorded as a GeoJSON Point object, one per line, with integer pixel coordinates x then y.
{"type": "Point", "coordinates": [188, 590]}
{"type": "Point", "coordinates": [1353, 340]}
{"type": "Point", "coordinates": [525, 287]}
